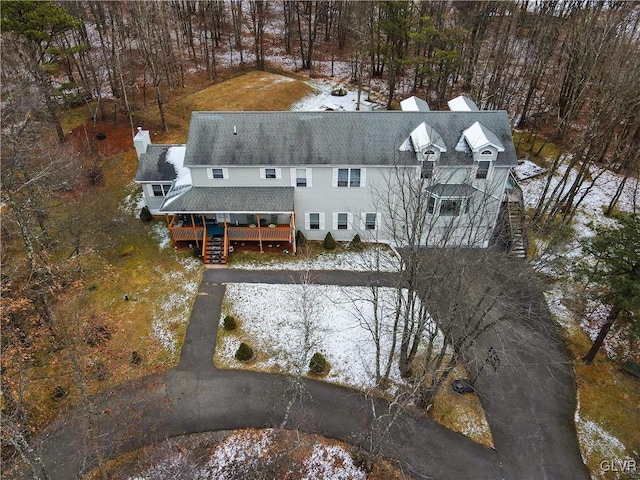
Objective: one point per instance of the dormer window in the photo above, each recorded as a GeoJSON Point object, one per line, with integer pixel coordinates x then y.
{"type": "Point", "coordinates": [486, 152]}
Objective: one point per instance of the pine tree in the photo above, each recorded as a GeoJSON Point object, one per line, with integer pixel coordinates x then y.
{"type": "Point", "coordinates": [613, 264]}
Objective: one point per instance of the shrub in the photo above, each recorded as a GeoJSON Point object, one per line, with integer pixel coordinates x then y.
{"type": "Point", "coordinates": [136, 358]}
{"type": "Point", "coordinates": [96, 335]}
{"type": "Point", "coordinates": [356, 243]}
{"type": "Point", "coordinates": [230, 323]}
{"type": "Point", "coordinates": [318, 364]}
{"type": "Point", "coordinates": [58, 393]}
{"type": "Point", "coordinates": [145, 214]}
{"type": "Point", "coordinates": [329, 243]}
{"type": "Point", "coordinates": [300, 238]}
{"type": "Point", "coordinates": [244, 353]}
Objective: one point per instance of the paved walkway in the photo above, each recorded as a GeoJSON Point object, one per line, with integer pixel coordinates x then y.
{"type": "Point", "coordinates": [533, 432]}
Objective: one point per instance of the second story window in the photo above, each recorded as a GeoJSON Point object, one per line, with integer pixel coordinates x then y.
{"type": "Point", "coordinates": [217, 172]}
{"type": "Point", "coordinates": [301, 177]}
{"type": "Point", "coordinates": [427, 169]}
{"type": "Point", "coordinates": [483, 168]}
{"type": "Point", "coordinates": [349, 177]}
{"type": "Point", "coordinates": [270, 173]}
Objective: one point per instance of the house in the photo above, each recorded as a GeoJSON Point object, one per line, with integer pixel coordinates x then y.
{"type": "Point", "coordinates": [262, 176]}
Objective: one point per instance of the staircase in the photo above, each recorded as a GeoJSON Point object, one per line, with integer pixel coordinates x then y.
{"type": "Point", "coordinates": [214, 250]}
{"type": "Point", "coordinates": [517, 239]}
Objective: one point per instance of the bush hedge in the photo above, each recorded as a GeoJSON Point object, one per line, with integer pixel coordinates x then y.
{"type": "Point", "coordinates": [230, 322]}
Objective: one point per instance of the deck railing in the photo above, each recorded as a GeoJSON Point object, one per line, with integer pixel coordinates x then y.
{"type": "Point", "coordinates": [278, 233]}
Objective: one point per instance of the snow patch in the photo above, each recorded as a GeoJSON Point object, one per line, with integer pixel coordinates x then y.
{"type": "Point", "coordinates": [370, 259]}
{"type": "Point", "coordinates": [331, 462]}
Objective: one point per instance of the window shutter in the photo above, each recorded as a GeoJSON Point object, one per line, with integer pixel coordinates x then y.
{"type": "Point", "coordinates": [335, 221]}
{"type": "Point", "coordinates": [225, 173]}
{"type": "Point", "coordinates": [363, 177]}
{"type": "Point", "coordinates": [322, 221]}
{"type": "Point", "coordinates": [210, 173]}
{"type": "Point", "coordinates": [334, 179]}
{"type": "Point", "coordinates": [263, 173]}
{"type": "Point", "coordinates": [307, 219]}
{"type": "Point", "coordinates": [278, 173]}
{"type": "Point", "coordinates": [363, 221]}
{"type": "Point", "coordinates": [309, 178]}
{"type": "Point", "coordinates": [349, 221]}
{"type": "Point", "coordinates": [292, 172]}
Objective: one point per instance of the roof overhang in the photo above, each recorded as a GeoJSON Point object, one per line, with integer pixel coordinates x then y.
{"type": "Point", "coordinates": [206, 200]}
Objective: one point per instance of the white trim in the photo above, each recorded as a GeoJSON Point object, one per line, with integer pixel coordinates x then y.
{"type": "Point", "coordinates": [294, 176]}
{"type": "Point", "coordinates": [363, 219]}
{"type": "Point", "coordinates": [225, 173]}
{"type": "Point", "coordinates": [307, 221]}
{"type": "Point", "coordinates": [349, 221]}
{"type": "Point", "coordinates": [263, 173]}
{"type": "Point", "coordinates": [363, 177]}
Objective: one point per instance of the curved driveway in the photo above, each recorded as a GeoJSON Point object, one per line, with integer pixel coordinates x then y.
{"type": "Point", "coordinates": [530, 413]}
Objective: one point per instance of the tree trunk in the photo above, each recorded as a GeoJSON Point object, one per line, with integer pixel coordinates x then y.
{"type": "Point", "coordinates": [597, 343]}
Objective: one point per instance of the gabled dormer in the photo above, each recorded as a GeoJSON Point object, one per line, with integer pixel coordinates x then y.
{"type": "Point", "coordinates": [481, 141]}
{"type": "Point", "coordinates": [426, 143]}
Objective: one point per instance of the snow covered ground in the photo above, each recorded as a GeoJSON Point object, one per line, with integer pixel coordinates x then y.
{"type": "Point", "coordinates": [272, 323]}
{"type": "Point", "coordinates": [372, 257]}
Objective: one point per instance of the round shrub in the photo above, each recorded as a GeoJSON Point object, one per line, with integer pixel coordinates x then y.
{"type": "Point", "coordinates": [329, 242]}
{"type": "Point", "coordinates": [318, 364]}
{"type": "Point", "coordinates": [244, 353]}
{"type": "Point", "coordinates": [145, 214]}
{"type": "Point", "coordinates": [230, 323]}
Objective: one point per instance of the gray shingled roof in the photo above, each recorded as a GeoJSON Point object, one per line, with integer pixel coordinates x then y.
{"type": "Point", "coordinates": [231, 199]}
{"type": "Point", "coordinates": [331, 138]}
{"type": "Point", "coordinates": [153, 167]}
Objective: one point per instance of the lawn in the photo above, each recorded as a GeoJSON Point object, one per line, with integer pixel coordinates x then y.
{"type": "Point", "coordinates": [124, 256]}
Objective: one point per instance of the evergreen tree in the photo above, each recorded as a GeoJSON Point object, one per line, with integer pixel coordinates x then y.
{"type": "Point", "coordinates": [613, 264]}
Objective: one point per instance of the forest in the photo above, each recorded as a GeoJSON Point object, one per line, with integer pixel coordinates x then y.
{"type": "Point", "coordinates": [566, 71]}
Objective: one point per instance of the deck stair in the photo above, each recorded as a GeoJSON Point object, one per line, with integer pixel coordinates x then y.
{"type": "Point", "coordinates": [214, 250]}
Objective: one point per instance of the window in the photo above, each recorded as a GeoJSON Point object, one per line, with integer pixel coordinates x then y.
{"type": "Point", "coordinates": [160, 190]}
{"type": "Point", "coordinates": [301, 177]}
{"type": "Point", "coordinates": [343, 221]}
{"type": "Point", "coordinates": [486, 152]}
{"type": "Point", "coordinates": [354, 177]}
{"type": "Point", "coordinates": [343, 177]}
{"type": "Point", "coordinates": [270, 173]}
{"type": "Point", "coordinates": [314, 221]}
{"type": "Point", "coordinates": [427, 169]}
{"type": "Point", "coordinates": [349, 177]}
{"type": "Point", "coordinates": [483, 169]}
{"type": "Point", "coordinates": [431, 204]}
{"type": "Point", "coordinates": [450, 207]}
{"type": "Point", "coordinates": [217, 172]}
{"type": "Point", "coordinates": [369, 221]}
